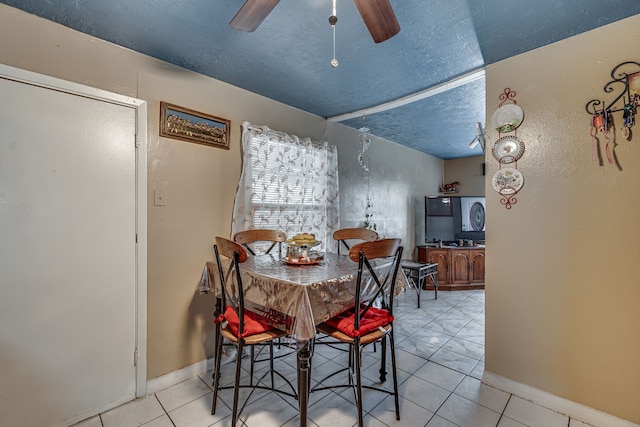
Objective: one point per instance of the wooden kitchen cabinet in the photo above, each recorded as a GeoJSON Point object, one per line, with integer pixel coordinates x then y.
{"type": "Point", "coordinates": [477, 266]}
{"type": "Point", "coordinates": [461, 266]}
{"type": "Point", "coordinates": [437, 256]}
{"type": "Point", "coordinates": [458, 267]}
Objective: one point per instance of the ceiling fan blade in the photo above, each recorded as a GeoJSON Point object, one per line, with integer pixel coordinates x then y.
{"type": "Point", "coordinates": [379, 18]}
{"type": "Point", "coordinates": [251, 14]}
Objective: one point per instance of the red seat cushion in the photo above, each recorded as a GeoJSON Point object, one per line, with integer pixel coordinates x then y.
{"type": "Point", "coordinates": [253, 324]}
{"type": "Point", "coordinates": [374, 318]}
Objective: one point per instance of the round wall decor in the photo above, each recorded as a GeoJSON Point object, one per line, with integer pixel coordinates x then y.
{"type": "Point", "coordinates": [507, 118]}
{"type": "Point", "coordinates": [508, 149]}
{"type": "Point", "coordinates": [507, 181]}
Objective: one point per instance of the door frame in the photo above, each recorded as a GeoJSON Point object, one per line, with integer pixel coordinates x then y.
{"type": "Point", "coordinates": [140, 106]}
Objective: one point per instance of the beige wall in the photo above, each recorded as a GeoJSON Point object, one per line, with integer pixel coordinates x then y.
{"type": "Point", "coordinates": [468, 172]}
{"type": "Point", "coordinates": [563, 286]}
{"type": "Point", "coordinates": [199, 181]}
{"type": "Point", "coordinates": [398, 180]}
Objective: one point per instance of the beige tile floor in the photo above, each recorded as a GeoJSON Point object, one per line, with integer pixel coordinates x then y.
{"type": "Point", "coordinates": [440, 352]}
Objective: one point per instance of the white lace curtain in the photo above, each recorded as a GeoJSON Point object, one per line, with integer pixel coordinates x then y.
{"type": "Point", "coordinates": [287, 183]}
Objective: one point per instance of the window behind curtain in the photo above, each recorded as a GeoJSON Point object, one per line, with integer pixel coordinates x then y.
{"type": "Point", "coordinates": [287, 183]}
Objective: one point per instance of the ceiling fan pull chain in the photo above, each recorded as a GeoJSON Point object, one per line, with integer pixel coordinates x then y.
{"type": "Point", "coordinates": [334, 61]}
{"type": "Point", "coordinates": [333, 19]}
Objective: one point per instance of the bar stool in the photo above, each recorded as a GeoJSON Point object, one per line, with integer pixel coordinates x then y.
{"type": "Point", "coordinates": [415, 272]}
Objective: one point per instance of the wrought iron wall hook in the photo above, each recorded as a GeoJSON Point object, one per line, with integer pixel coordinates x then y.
{"type": "Point", "coordinates": [625, 84]}
{"type": "Point", "coordinates": [620, 76]}
{"type": "Point", "coordinates": [507, 95]}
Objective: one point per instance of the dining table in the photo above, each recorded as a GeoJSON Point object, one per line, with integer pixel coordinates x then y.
{"type": "Point", "coordinates": [296, 297]}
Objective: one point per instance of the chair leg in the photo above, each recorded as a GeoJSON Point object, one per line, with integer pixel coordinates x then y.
{"type": "Point", "coordinates": [351, 369]}
{"type": "Point", "coordinates": [394, 373]}
{"type": "Point", "coordinates": [253, 357]}
{"type": "Point", "coordinates": [358, 359]}
{"type": "Point", "coordinates": [216, 369]}
{"type": "Point", "coordinates": [383, 359]}
{"type": "Point", "coordinates": [236, 385]}
{"type": "Point", "coordinates": [271, 363]}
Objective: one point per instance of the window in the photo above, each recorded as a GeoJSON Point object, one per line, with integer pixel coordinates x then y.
{"type": "Point", "coordinates": [287, 183]}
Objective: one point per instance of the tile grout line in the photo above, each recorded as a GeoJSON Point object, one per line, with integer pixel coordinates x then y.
{"type": "Point", "coordinates": [504, 409]}
{"type": "Point", "coordinates": [163, 408]}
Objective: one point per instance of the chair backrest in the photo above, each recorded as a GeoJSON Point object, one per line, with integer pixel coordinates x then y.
{"type": "Point", "coordinates": [231, 295]}
{"type": "Point", "coordinates": [262, 235]}
{"type": "Point", "coordinates": [354, 234]}
{"type": "Point", "coordinates": [383, 279]}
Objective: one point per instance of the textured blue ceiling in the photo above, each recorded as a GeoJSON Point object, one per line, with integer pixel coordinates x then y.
{"type": "Point", "coordinates": [287, 57]}
{"type": "Point", "coordinates": [446, 123]}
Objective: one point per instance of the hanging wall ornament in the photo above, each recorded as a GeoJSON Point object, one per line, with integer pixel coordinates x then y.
{"type": "Point", "coordinates": [628, 119]}
{"type": "Point", "coordinates": [364, 139]}
{"type": "Point", "coordinates": [625, 90]}
{"type": "Point", "coordinates": [507, 118]}
{"type": "Point", "coordinates": [508, 149]}
{"type": "Point", "coordinates": [507, 181]}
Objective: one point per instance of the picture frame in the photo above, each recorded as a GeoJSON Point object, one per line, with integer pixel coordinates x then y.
{"type": "Point", "coordinates": [193, 126]}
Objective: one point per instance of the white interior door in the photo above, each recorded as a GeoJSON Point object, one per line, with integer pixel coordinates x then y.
{"type": "Point", "coordinates": [67, 255]}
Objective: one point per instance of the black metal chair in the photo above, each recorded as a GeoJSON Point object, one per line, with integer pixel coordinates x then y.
{"type": "Point", "coordinates": [275, 237]}
{"type": "Point", "coordinates": [240, 327]}
{"type": "Point", "coordinates": [345, 234]}
{"type": "Point", "coordinates": [259, 239]}
{"type": "Point", "coordinates": [372, 322]}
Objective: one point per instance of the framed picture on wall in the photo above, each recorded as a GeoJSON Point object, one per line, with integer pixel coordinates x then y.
{"type": "Point", "coordinates": [192, 126]}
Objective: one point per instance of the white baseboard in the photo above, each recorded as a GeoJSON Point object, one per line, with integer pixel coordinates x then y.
{"type": "Point", "coordinates": [555, 403]}
{"type": "Point", "coordinates": [175, 377]}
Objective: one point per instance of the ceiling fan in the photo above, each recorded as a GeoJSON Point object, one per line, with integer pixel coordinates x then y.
{"type": "Point", "coordinates": [377, 15]}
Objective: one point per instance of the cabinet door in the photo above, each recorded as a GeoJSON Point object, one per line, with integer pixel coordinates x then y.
{"type": "Point", "coordinates": [477, 266]}
{"type": "Point", "coordinates": [460, 273]}
{"type": "Point", "coordinates": [440, 257]}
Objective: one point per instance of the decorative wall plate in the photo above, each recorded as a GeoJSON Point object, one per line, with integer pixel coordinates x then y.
{"type": "Point", "coordinates": [507, 118]}
{"type": "Point", "coordinates": [508, 149]}
{"type": "Point", "coordinates": [507, 181]}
